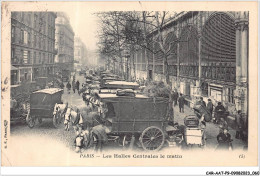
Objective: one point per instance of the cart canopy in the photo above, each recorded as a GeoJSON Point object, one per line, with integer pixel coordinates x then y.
{"type": "Point", "coordinates": [45, 98]}
{"type": "Point", "coordinates": [138, 107]}
{"type": "Point", "coordinates": [120, 85]}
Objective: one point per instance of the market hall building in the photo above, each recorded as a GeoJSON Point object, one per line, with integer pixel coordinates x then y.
{"type": "Point", "coordinates": [209, 59]}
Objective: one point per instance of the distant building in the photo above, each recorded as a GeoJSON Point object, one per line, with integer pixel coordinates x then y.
{"type": "Point", "coordinates": [64, 43]}
{"type": "Point", "coordinates": [32, 45]}
{"type": "Point", "coordinates": [80, 53]}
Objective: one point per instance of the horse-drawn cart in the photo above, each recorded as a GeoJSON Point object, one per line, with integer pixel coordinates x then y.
{"type": "Point", "coordinates": [42, 104]}
{"type": "Point", "coordinates": [137, 116]}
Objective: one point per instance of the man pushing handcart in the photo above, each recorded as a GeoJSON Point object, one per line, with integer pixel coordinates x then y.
{"type": "Point", "coordinates": [194, 133]}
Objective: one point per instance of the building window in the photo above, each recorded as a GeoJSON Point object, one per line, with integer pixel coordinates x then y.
{"type": "Point", "coordinates": [40, 61]}
{"type": "Point", "coordinates": [231, 95]}
{"type": "Point", "coordinates": [44, 24]}
{"type": "Point", "coordinates": [29, 57]}
{"type": "Point", "coordinates": [29, 39]}
{"type": "Point", "coordinates": [204, 89]}
{"type": "Point", "coordinates": [29, 19]}
{"type": "Point", "coordinates": [21, 60]}
{"type": "Point", "coordinates": [43, 43]}
{"type": "Point", "coordinates": [35, 21]}
{"type": "Point", "coordinates": [26, 76]}
{"type": "Point", "coordinates": [40, 41]}
{"type": "Point", "coordinates": [43, 57]}
{"type": "Point", "coordinates": [25, 57]}
{"type": "Point", "coordinates": [13, 33]}
{"type": "Point", "coordinates": [12, 56]}
{"type": "Point", "coordinates": [35, 40]}
{"type": "Point", "coordinates": [22, 36]}
{"type": "Point", "coordinates": [22, 16]}
{"type": "Point", "coordinates": [25, 37]}
{"type": "Point", "coordinates": [34, 58]}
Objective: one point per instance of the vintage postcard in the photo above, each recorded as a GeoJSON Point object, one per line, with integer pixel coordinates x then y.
{"type": "Point", "coordinates": [129, 84]}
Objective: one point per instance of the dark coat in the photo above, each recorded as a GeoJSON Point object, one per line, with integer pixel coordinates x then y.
{"type": "Point", "coordinates": [203, 103]}
{"type": "Point", "coordinates": [77, 85]}
{"type": "Point", "coordinates": [223, 140]}
{"type": "Point", "coordinates": [210, 106]}
{"type": "Point", "coordinates": [239, 122]}
{"type": "Point", "coordinates": [175, 96]}
{"type": "Point", "coordinates": [181, 101]}
{"type": "Point", "coordinates": [220, 109]}
{"type": "Point", "coordinates": [68, 86]}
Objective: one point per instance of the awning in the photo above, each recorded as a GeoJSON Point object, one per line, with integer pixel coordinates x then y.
{"type": "Point", "coordinates": [14, 68]}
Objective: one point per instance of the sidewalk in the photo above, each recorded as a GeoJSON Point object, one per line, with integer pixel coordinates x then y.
{"type": "Point", "coordinates": [212, 129]}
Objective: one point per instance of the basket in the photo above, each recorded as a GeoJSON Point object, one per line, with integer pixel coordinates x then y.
{"type": "Point", "coordinates": [191, 121]}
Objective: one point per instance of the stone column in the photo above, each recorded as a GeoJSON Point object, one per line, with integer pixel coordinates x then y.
{"type": "Point", "coordinates": [153, 64]}
{"type": "Point", "coordinates": [242, 62]}
{"type": "Point", "coordinates": [178, 66]}
{"type": "Point", "coordinates": [178, 58]}
{"type": "Point", "coordinates": [198, 82]}
{"type": "Point", "coordinates": [200, 66]}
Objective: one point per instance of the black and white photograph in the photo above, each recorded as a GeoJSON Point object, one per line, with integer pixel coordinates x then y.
{"type": "Point", "coordinates": [135, 84]}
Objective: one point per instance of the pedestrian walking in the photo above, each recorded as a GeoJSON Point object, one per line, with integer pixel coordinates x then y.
{"type": "Point", "coordinates": [175, 97]}
{"type": "Point", "coordinates": [239, 125]}
{"type": "Point", "coordinates": [77, 86]}
{"type": "Point", "coordinates": [219, 112]}
{"type": "Point", "coordinates": [181, 103]}
{"type": "Point", "coordinates": [210, 106]}
{"type": "Point", "coordinates": [61, 85]}
{"type": "Point", "coordinates": [222, 125]}
{"type": "Point", "coordinates": [73, 86]}
{"type": "Point", "coordinates": [224, 140]}
{"type": "Point", "coordinates": [202, 102]}
{"type": "Point", "coordinates": [68, 86]}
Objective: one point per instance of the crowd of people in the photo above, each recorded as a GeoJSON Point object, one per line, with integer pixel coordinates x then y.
{"type": "Point", "coordinates": [218, 114]}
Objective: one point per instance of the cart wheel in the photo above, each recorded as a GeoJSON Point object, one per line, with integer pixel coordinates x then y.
{"type": "Point", "coordinates": [126, 141]}
{"type": "Point", "coordinates": [152, 138]}
{"type": "Point", "coordinates": [30, 120]}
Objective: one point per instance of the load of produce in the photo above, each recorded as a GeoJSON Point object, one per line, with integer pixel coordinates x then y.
{"type": "Point", "coordinates": [157, 89]}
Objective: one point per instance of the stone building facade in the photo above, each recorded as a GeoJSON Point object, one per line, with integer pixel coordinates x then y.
{"type": "Point", "coordinates": [80, 53]}
{"type": "Point", "coordinates": [32, 45]}
{"type": "Point", "coordinates": [64, 43]}
{"type": "Point", "coordinates": [208, 57]}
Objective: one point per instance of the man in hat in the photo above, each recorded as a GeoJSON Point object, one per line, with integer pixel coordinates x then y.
{"type": "Point", "coordinates": [181, 103]}
{"type": "Point", "coordinates": [219, 112]}
{"type": "Point", "coordinates": [210, 106]}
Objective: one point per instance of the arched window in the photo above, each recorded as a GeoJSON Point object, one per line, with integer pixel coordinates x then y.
{"type": "Point", "coordinates": [189, 46]}
{"type": "Point", "coordinates": [219, 39]}
{"type": "Point", "coordinates": [171, 47]}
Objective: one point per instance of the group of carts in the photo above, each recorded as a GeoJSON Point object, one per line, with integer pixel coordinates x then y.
{"type": "Point", "coordinates": [128, 116]}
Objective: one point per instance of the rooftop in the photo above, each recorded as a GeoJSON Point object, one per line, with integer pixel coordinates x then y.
{"type": "Point", "coordinates": [122, 83]}
{"type": "Point", "coordinates": [104, 96]}
{"type": "Point", "coordinates": [49, 91]}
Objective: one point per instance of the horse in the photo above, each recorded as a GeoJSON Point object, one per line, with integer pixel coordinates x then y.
{"type": "Point", "coordinates": [60, 109]}
{"type": "Point", "coordinates": [92, 137]}
{"type": "Point", "coordinates": [75, 118]}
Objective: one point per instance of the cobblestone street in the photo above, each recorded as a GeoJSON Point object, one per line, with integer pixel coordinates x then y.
{"type": "Point", "coordinates": [66, 138]}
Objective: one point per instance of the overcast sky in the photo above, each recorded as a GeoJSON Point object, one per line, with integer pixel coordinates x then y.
{"type": "Point", "coordinates": [84, 24]}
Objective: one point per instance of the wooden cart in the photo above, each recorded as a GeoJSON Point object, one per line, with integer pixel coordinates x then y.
{"type": "Point", "coordinates": [141, 116]}
{"type": "Point", "coordinates": [42, 104]}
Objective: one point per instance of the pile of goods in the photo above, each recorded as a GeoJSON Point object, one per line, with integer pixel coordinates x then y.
{"type": "Point", "coordinates": [157, 89]}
